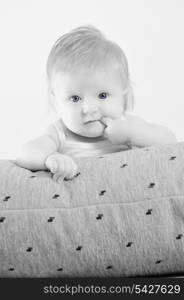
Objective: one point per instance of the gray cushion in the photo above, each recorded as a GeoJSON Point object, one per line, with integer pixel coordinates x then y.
{"type": "Point", "coordinates": [123, 215]}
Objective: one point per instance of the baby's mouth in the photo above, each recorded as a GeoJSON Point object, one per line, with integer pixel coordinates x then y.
{"type": "Point", "coordinates": [102, 123]}
{"type": "Point", "coordinates": [93, 121]}
{"type": "Point", "coordinates": [90, 121]}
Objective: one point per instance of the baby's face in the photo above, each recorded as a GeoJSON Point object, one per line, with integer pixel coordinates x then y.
{"type": "Point", "coordinates": [84, 97]}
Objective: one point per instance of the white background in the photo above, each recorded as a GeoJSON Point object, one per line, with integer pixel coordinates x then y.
{"type": "Point", "coordinates": [151, 33]}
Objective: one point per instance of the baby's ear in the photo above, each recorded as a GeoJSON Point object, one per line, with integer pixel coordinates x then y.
{"type": "Point", "coordinates": [129, 100]}
{"type": "Point", "coordinates": [52, 100]}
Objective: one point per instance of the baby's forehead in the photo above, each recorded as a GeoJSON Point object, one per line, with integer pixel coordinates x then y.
{"type": "Point", "coordinates": [88, 78]}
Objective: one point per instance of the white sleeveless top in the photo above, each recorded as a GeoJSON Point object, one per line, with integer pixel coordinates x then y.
{"type": "Point", "coordinates": [75, 145]}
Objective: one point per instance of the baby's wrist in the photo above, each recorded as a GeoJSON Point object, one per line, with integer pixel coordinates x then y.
{"type": "Point", "coordinates": [126, 132]}
{"type": "Point", "coordinates": [134, 127]}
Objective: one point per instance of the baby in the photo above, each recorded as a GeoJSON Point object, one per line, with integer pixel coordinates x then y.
{"type": "Point", "coordinates": [90, 92]}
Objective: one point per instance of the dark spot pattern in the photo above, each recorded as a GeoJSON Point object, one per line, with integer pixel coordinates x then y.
{"type": "Point", "coordinates": [69, 179]}
{"type": "Point", "coordinates": [109, 267]}
{"type": "Point", "coordinates": [6, 198]}
{"type": "Point", "coordinates": [149, 211]}
{"type": "Point", "coordinates": [102, 192]}
{"type": "Point", "coordinates": [56, 196]}
{"type": "Point", "coordinates": [129, 244]}
{"type": "Point", "coordinates": [158, 261]}
{"type": "Point", "coordinates": [172, 157]}
{"type": "Point", "coordinates": [79, 248]}
{"type": "Point", "coordinates": [29, 249]}
{"type": "Point", "coordinates": [51, 219]}
{"type": "Point", "coordinates": [77, 174]}
{"type": "Point", "coordinates": [179, 236]}
{"type": "Point", "coordinates": [99, 217]}
{"type": "Point", "coordinates": [124, 165]}
{"type": "Point", "coordinates": [151, 185]}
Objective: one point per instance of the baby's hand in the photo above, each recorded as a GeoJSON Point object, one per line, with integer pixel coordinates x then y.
{"type": "Point", "coordinates": [116, 131]}
{"type": "Point", "coordinates": [62, 166]}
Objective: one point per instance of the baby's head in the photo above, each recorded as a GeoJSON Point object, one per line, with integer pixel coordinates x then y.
{"type": "Point", "coordinates": [88, 79]}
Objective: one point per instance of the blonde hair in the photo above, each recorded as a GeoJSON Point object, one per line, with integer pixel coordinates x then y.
{"type": "Point", "coordinates": [87, 47]}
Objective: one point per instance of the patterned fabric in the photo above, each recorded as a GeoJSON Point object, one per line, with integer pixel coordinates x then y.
{"type": "Point", "coordinates": [122, 215]}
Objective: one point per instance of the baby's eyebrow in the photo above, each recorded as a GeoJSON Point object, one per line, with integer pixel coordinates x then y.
{"type": "Point", "coordinates": [72, 93]}
{"type": "Point", "coordinates": [107, 91]}
{"type": "Point", "coordinates": [95, 92]}
{"type": "Point", "coordinates": [104, 91]}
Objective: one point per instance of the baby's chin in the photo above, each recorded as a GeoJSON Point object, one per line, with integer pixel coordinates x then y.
{"type": "Point", "coordinates": [91, 134]}
{"type": "Point", "coordinates": [91, 130]}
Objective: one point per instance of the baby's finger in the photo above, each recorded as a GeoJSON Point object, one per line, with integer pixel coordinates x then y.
{"type": "Point", "coordinates": [69, 168]}
{"type": "Point", "coordinates": [64, 169]}
{"type": "Point", "coordinates": [51, 164]}
{"type": "Point", "coordinates": [106, 131]}
{"type": "Point", "coordinates": [72, 172]}
{"type": "Point", "coordinates": [106, 121]}
{"type": "Point", "coordinates": [58, 176]}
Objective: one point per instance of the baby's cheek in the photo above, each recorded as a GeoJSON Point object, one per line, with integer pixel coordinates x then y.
{"type": "Point", "coordinates": [114, 112]}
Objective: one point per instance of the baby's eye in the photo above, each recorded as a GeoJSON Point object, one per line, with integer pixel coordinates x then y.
{"type": "Point", "coordinates": [75, 98]}
{"type": "Point", "coordinates": [103, 95]}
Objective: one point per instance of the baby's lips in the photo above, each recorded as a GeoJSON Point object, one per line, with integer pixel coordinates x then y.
{"type": "Point", "coordinates": [105, 121]}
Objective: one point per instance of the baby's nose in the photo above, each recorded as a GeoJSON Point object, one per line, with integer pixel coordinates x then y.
{"type": "Point", "coordinates": [89, 107]}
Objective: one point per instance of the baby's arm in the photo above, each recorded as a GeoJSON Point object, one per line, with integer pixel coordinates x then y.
{"type": "Point", "coordinates": [34, 153]}
{"type": "Point", "coordinates": [135, 131]}
{"type": "Point", "coordinates": [41, 154]}
{"type": "Point", "coordinates": [142, 133]}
